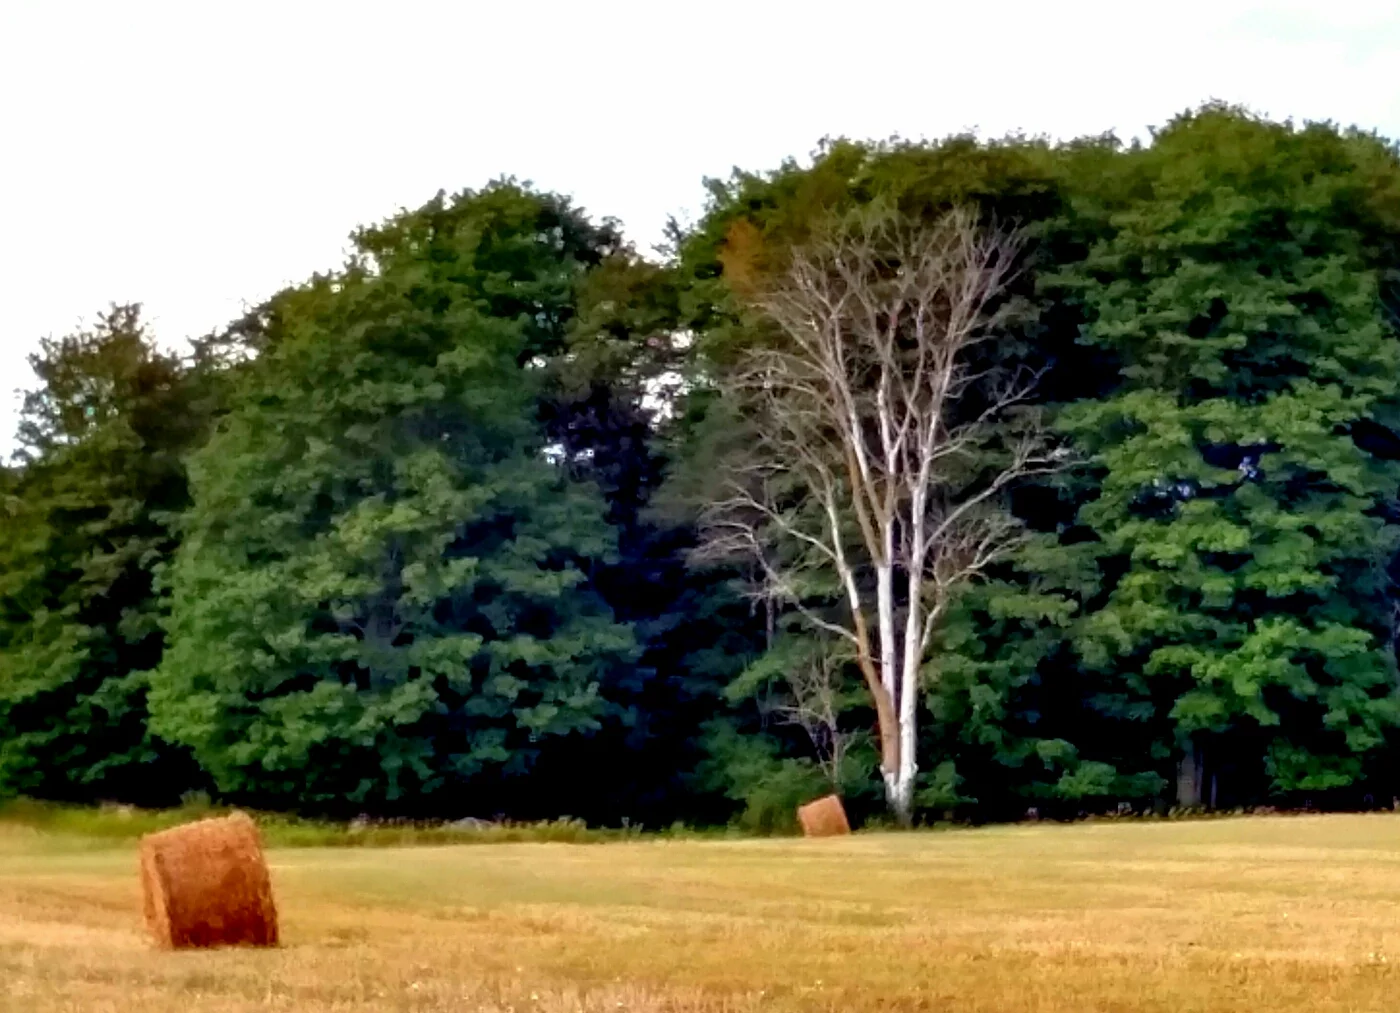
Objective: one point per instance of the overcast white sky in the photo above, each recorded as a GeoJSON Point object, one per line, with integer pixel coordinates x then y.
{"type": "Point", "coordinates": [196, 156]}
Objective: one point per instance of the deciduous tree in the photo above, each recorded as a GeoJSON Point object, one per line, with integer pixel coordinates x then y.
{"type": "Point", "coordinates": [880, 451]}
{"type": "Point", "coordinates": [383, 597]}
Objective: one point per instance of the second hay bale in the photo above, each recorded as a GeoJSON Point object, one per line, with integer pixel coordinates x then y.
{"type": "Point", "coordinates": [826, 817]}
{"type": "Point", "coordinates": [207, 884]}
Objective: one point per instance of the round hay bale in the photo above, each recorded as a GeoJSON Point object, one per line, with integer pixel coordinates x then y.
{"type": "Point", "coordinates": [826, 817]}
{"type": "Point", "coordinates": [207, 884]}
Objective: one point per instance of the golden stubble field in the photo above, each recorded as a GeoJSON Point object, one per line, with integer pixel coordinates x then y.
{"type": "Point", "coordinates": [1277, 914]}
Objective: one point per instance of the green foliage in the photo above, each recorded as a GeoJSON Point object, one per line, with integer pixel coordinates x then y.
{"type": "Point", "coordinates": [86, 523]}
{"type": "Point", "coordinates": [798, 727]}
{"type": "Point", "coordinates": [383, 591]}
{"type": "Point", "coordinates": [608, 405]}
{"type": "Point", "coordinates": [752, 771]}
{"type": "Point", "coordinates": [1242, 529]}
{"type": "Point", "coordinates": [940, 789]}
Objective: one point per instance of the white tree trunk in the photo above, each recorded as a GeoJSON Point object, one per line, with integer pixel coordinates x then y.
{"type": "Point", "coordinates": [910, 664]}
{"type": "Point", "coordinates": [884, 601]}
{"type": "Point", "coordinates": [903, 800]}
{"type": "Point", "coordinates": [899, 782]}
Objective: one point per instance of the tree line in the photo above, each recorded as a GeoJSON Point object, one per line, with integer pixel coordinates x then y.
{"type": "Point", "coordinates": [962, 478]}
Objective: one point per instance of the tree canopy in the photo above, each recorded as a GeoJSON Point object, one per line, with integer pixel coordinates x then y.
{"type": "Point", "coordinates": [431, 532]}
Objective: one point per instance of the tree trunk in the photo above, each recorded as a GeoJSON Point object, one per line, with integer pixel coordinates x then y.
{"type": "Point", "coordinates": [884, 604]}
{"type": "Point", "coordinates": [887, 719]}
{"type": "Point", "coordinates": [1190, 777]}
{"type": "Point", "coordinates": [899, 778]}
{"type": "Point", "coordinates": [903, 803]}
{"type": "Point", "coordinates": [899, 796]}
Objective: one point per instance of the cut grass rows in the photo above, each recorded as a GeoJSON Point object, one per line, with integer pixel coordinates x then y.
{"type": "Point", "coordinates": [1258, 914]}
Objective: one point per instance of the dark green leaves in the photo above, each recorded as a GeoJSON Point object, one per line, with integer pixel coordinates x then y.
{"type": "Point", "coordinates": [383, 590]}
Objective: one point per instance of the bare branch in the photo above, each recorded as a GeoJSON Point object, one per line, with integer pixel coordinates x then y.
{"type": "Point", "coordinates": [815, 707]}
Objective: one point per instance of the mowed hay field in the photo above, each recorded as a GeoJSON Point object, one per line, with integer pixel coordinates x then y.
{"type": "Point", "coordinates": [1275, 914]}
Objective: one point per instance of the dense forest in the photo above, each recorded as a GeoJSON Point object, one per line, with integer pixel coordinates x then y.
{"type": "Point", "coordinates": [965, 478]}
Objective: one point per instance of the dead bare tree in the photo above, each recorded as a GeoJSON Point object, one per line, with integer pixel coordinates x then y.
{"type": "Point", "coordinates": [880, 453]}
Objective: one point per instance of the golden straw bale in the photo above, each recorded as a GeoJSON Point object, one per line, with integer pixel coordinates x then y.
{"type": "Point", "coordinates": [207, 884]}
{"type": "Point", "coordinates": [826, 817]}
